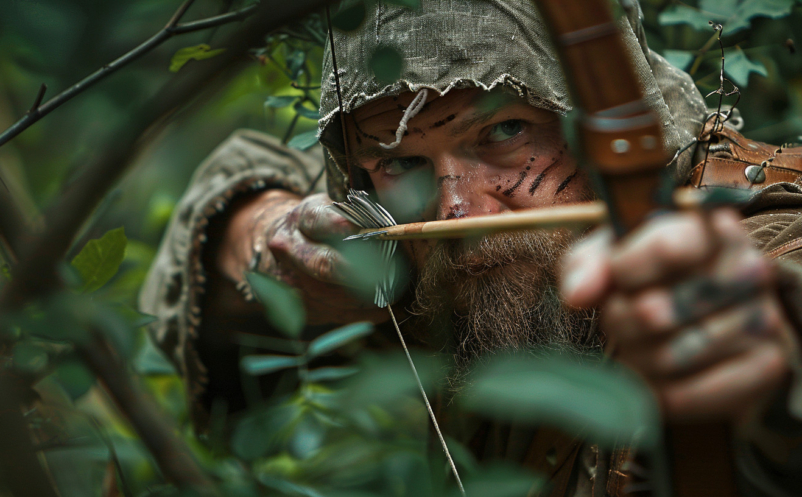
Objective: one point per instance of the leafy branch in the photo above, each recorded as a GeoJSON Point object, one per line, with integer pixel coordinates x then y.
{"type": "Point", "coordinates": [39, 110]}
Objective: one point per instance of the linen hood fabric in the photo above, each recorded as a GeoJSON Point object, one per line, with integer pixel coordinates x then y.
{"type": "Point", "coordinates": [453, 44]}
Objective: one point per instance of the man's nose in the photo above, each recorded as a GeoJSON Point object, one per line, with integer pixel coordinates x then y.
{"type": "Point", "coordinates": [460, 192]}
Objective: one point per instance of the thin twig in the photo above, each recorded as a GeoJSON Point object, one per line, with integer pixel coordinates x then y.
{"type": "Point", "coordinates": [721, 92]}
{"type": "Point", "coordinates": [38, 111]}
{"type": "Point", "coordinates": [39, 97]}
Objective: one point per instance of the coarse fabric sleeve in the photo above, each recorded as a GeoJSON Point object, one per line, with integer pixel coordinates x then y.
{"type": "Point", "coordinates": [247, 162]}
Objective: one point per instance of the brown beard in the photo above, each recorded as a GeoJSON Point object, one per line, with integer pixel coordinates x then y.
{"type": "Point", "coordinates": [500, 292]}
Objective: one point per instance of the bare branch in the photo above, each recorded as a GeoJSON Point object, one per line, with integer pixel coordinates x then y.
{"type": "Point", "coordinates": [39, 97]}
{"type": "Point", "coordinates": [37, 112]}
{"type": "Point", "coordinates": [171, 453]}
{"type": "Point", "coordinates": [19, 465]}
{"type": "Point", "coordinates": [213, 22]}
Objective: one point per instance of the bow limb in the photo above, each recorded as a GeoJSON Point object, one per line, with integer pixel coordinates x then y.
{"type": "Point", "coordinates": [622, 146]}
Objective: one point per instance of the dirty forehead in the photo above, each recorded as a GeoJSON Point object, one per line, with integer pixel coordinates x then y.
{"type": "Point", "coordinates": [458, 112]}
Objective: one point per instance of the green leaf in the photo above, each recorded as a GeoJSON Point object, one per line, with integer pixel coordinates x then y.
{"type": "Point", "coordinates": [264, 364]}
{"type": "Point", "coordinates": [349, 17]}
{"type": "Point", "coordinates": [501, 480]}
{"type": "Point", "coordinates": [681, 14]}
{"type": "Point", "coordinates": [738, 67]}
{"type": "Point", "coordinates": [295, 63]}
{"type": "Point", "coordinates": [386, 64]}
{"type": "Point", "coordinates": [150, 360]}
{"type": "Point", "coordinates": [304, 140]}
{"type": "Point", "coordinates": [100, 259]}
{"type": "Point", "coordinates": [337, 338]}
{"type": "Point", "coordinates": [330, 374]}
{"type": "Point", "coordinates": [307, 113]}
{"type": "Point", "coordinates": [680, 59]}
{"type": "Point", "coordinates": [736, 15]}
{"type": "Point", "coordinates": [198, 52]}
{"type": "Point", "coordinates": [29, 358]}
{"type": "Point", "coordinates": [74, 378]}
{"type": "Point", "coordinates": [283, 307]}
{"type": "Point", "coordinates": [279, 102]}
{"type": "Point", "coordinates": [605, 403]}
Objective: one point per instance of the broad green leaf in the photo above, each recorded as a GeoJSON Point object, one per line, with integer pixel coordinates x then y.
{"type": "Point", "coordinates": [306, 112]}
{"type": "Point", "coordinates": [198, 52]}
{"type": "Point", "coordinates": [606, 404]}
{"type": "Point", "coordinates": [680, 59]}
{"type": "Point", "coordinates": [149, 360]}
{"type": "Point", "coordinates": [279, 102]}
{"type": "Point", "coordinates": [385, 379]}
{"type": "Point", "coordinates": [295, 63]}
{"type": "Point", "coordinates": [386, 64]}
{"type": "Point", "coordinates": [349, 17]}
{"type": "Point", "coordinates": [287, 487]}
{"type": "Point", "coordinates": [736, 15]}
{"type": "Point", "coordinates": [501, 480]}
{"type": "Point", "coordinates": [283, 307]}
{"type": "Point", "coordinates": [100, 259]}
{"type": "Point", "coordinates": [337, 338]}
{"type": "Point", "coordinates": [304, 140]}
{"type": "Point", "coordinates": [264, 364]}
{"type": "Point", "coordinates": [263, 431]}
{"type": "Point", "coordinates": [682, 14]}
{"type": "Point", "coordinates": [330, 374]}
{"type": "Point", "coordinates": [29, 358]}
{"type": "Point", "coordinates": [738, 67]}
{"type": "Point", "coordinates": [74, 378]}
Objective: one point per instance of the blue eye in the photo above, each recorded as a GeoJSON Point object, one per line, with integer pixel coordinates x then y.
{"type": "Point", "coordinates": [505, 131]}
{"type": "Point", "coordinates": [400, 165]}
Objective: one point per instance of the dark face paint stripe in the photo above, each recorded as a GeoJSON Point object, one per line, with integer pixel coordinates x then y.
{"type": "Point", "coordinates": [539, 177]}
{"type": "Point", "coordinates": [511, 190]}
{"type": "Point", "coordinates": [565, 182]}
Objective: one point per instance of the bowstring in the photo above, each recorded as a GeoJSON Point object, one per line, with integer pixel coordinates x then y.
{"type": "Point", "coordinates": [389, 307]}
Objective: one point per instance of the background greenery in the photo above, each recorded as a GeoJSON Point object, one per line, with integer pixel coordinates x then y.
{"type": "Point", "coordinates": [333, 437]}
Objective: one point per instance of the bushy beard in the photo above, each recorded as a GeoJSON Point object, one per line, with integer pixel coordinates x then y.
{"type": "Point", "coordinates": [500, 293]}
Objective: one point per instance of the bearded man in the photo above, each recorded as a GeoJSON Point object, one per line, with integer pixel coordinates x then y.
{"type": "Point", "coordinates": [689, 301]}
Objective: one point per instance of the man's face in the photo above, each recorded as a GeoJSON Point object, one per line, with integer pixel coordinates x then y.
{"type": "Point", "coordinates": [473, 153]}
{"type": "Point", "coordinates": [468, 153]}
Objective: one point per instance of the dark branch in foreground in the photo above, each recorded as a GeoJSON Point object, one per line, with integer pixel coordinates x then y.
{"type": "Point", "coordinates": [41, 252]}
{"type": "Point", "coordinates": [172, 28]}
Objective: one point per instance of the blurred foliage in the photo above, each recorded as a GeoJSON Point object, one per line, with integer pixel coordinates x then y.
{"type": "Point", "coordinates": [356, 430]}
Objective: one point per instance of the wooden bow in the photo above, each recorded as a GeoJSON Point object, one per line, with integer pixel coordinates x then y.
{"type": "Point", "coordinates": [622, 145]}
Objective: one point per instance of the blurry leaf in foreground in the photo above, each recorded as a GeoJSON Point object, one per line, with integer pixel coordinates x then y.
{"type": "Point", "coordinates": [305, 112]}
{"type": "Point", "coordinates": [264, 364]}
{"type": "Point", "coordinates": [149, 360]}
{"type": "Point", "coordinates": [386, 64]}
{"type": "Point", "coordinates": [682, 14]}
{"type": "Point", "coordinates": [198, 52]}
{"type": "Point", "coordinates": [502, 481]}
{"type": "Point", "coordinates": [74, 378]}
{"type": "Point", "coordinates": [738, 66]}
{"type": "Point", "coordinates": [303, 141]}
{"type": "Point", "coordinates": [283, 306]}
{"type": "Point", "coordinates": [279, 102]}
{"type": "Point", "coordinates": [607, 404]}
{"type": "Point", "coordinates": [100, 259]}
{"type": "Point", "coordinates": [287, 487]}
{"type": "Point", "coordinates": [337, 338]}
{"type": "Point", "coordinates": [736, 15]}
{"type": "Point", "coordinates": [260, 432]}
{"type": "Point", "coordinates": [680, 59]}
{"type": "Point", "coordinates": [349, 17]}
{"type": "Point", "coordinates": [330, 374]}
{"type": "Point", "coordinates": [384, 379]}
{"type": "Point", "coordinates": [29, 358]}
